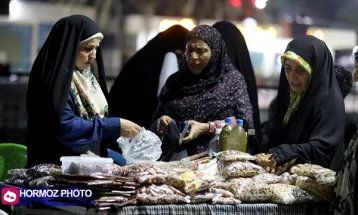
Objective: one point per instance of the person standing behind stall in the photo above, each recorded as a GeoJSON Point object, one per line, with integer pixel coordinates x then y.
{"type": "Point", "coordinates": [66, 103]}
{"type": "Point", "coordinates": [206, 88]}
{"type": "Point", "coordinates": [134, 93]}
{"type": "Point", "coordinates": [310, 115]}
{"type": "Point", "coordinates": [239, 55]}
{"type": "Point", "coordinates": [346, 201]}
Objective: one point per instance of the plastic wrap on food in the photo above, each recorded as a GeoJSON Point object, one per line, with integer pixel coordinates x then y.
{"type": "Point", "coordinates": [289, 194]}
{"type": "Point", "coordinates": [18, 181]}
{"type": "Point", "coordinates": [160, 190]}
{"type": "Point", "coordinates": [42, 170]}
{"type": "Point", "coordinates": [225, 200]}
{"type": "Point", "coordinates": [41, 182]}
{"type": "Point", "coordinates": [211, 167]}
{"type": "Point", "coordinates": [203, 198]}
{"type": "Point", "coordinates": [266, 178]}
{"type": "Point", "coordinates": [141, 170]}
{"type": "Point", "coordinates": [238, 169]}
{"type": "Point", "coordinates": [313, 171]}
{"type": "Point", "coordinates": [287, 178]}
{"type": "Point", "coordinates": [252, 192]}
{"type": "Point", "coordinates": [222, 192]}
{"type": "Point", "coordinates": [176, 167]}
{"type": "Point", "coordinates": [18, 173]}
{"type": "Point", "coordinates": [172, 180]}
{"type": "Point", "coordinates": [196, 181]}
{"type": "Point", "coordinates": [163, 199]}
{"type": "Point", "coordinates": [146, 146]}
{"type": "Point", "coordinates": [89, 169]}
{"type": "Point", "coordinates": [241, 180]}
{"type": "Point", "coordinates": [115, 169]}
{"type": "Point", "coordinates": [232, 155]}
{"type": "Point", "coordinates": [323, 190]}
{"type": "Point", "coordinates": [221, 185]}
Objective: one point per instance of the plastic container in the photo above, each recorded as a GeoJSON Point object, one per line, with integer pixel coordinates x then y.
{"type": "Point", "coordinates": [214, 144]}
{"type": "Point", "coordinates": [237, 139]}
{"type": "Point", "coordinates": [76, 165]}
{"type": "Point", "coordinates": [228, 122]}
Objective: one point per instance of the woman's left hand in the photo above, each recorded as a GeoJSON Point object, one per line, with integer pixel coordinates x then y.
{"type": "Point", "coordinates": [196, 129]}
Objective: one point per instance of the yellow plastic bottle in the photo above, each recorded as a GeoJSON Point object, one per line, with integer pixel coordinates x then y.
{"type": "Point", "coordinates": [242, 137]}
{"type": "Point", "coordinates": [237, 139]}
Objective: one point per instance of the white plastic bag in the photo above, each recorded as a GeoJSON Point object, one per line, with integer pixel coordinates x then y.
{"type": "Point", "coordinates": [146, 146]}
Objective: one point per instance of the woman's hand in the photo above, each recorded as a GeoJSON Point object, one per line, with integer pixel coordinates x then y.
{"type": "Point", "coordinates": [163, 125]}
{"type": "Point", "coordinates": [268, 163]}
{"type": "Point", "coordinates": [196, 129]}
{"type": "Point", "coordinates": [285, 167]}
{"type": "Point", "coordinates": [129, 129]}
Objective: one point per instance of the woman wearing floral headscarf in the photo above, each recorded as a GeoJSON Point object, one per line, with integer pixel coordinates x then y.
{"type": "Point", "coordinates": [310, 109]}
{"type": "Point", "coordinates": [206, 88]}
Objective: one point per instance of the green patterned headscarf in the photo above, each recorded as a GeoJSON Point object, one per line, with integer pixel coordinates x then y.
{"type": "Point", "coordinates": [295, 98]}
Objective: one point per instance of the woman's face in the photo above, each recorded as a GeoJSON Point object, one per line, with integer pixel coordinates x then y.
{"type": "Point", "coordinates": [297, 77]}
{"type": "Point", "coordinates": [197, 55]}
{"type": "Point", "coordinates": [87, 53]}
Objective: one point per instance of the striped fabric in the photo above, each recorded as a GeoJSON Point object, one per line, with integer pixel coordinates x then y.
{"type": "Point", "coordinates": [247, 209]}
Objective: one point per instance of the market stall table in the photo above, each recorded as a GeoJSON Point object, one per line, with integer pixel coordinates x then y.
{"type": "Point", "coordinates": [247, 209]}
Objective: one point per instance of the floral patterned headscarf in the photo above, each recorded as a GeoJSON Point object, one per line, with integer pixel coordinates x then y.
{"type": "Point", "coordinates": [295, 98]}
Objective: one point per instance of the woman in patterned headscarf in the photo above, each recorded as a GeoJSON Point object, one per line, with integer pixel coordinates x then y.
{"type": "Point", "coordinates": [206, 88]}
{"type": "Point", "coordinates": [304, 129]}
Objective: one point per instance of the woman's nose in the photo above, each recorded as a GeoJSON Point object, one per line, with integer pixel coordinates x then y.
{"type": "Point", "coordinates": [194, 56]}
{"type": "Point", "coordinates": [293, 77]}
{"type": "Point", "coordinates": [93, 54]}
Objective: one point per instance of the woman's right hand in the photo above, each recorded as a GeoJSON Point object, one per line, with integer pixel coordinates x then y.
{"type": "Point", "coordinates": [129, 129]}
{"type": "Point", "coordinates": [163, 125]}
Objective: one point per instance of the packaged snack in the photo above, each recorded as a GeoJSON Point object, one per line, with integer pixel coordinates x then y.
{"type": "Point", "coordinates": [238, 169]}
{"type": "Point", "coordinates": [289, 194]}
{"type": "Point", "coordinates": [232, 155]}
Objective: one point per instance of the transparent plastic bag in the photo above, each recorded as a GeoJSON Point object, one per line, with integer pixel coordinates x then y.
{"type": "Point", "coordinates": [286, 178]}
{"type": "Point", "coordinates": [203, 198]}
{"type": "Point", "coordinates": [252, 192]}
{"type": "Point", "coordinates": [172, 180]}
{"type": "Point", "coordinates": [146, 146]}
{"type": "Point", "coordinates": [18, 173]}
{"type": "Point", "coordinates": [232, 155]}
{"type": "Point", "coordinates": [289, 194]}
{"type": "Point", "coordinates": [241, 180]}
{"type": "Point", "coordinates": [41, 182]}
{"type": "Point", "coordinates": [238, 169]}
{"type": "Point", "coordinates": [163, 194]}
{"type": "Point", "coordinates": [42, 170]}
{"type": "Point", "coordinates": [222, 192]}
{"type": "Point", "coordinates": [323, 190]}
{"type": "Point", "coordinates": [313, 171]}
{"type": "Point", "coordinates": [141, 169]}
{"type": "Point", "coordinates": [225, 200]}
{"type": "Point", "coordinates": [266, 178]}
{"type": "Point", "coordinates": [214, 198]}
{"type": "Point", "coordinates": [196, 181]}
